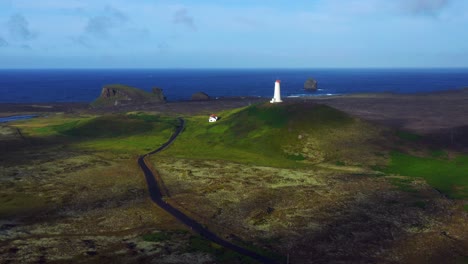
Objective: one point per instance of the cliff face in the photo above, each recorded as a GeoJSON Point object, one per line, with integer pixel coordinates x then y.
{"type": "Point", "coordinates": [158, 93]}
{"type": "Point", "coordinates": [117, 94]}
{"type": "Point", "coordinates": [108, 92]}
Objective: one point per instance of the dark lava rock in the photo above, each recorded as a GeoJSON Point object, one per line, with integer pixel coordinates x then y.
{"type": "Point", "coordinates": [118, 94]}
{"type": "Point", "coordinates": [200, 96]}
{"type": "Point", "coordinates": [310, 85]}
{"type": "Point", "coordinates": [158, 93]}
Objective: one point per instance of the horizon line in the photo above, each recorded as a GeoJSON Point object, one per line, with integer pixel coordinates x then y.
{"type": "Point", "coordinates": [235, 68]}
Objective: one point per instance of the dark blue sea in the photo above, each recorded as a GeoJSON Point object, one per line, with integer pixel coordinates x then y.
{"type": "Point", "coordinates": [73, 85]}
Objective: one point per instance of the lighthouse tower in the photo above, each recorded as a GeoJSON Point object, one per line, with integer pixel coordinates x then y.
{"type": "Point", "coordinates": [277, 94]}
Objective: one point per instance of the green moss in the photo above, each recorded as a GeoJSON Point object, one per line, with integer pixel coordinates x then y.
{"type": "Point", "coordinates": [156, 237]}
{"type": "Point", "coordinates": [133, 133]}
{"type": "Point", "coordinates": [441, 154]}
{"type": "Point", "coordinates": [50, 126]}
{"type": "Point", "coordinates": [408, 136]}
{"type": "Point", "coordinates": [105, 126]}
{"type": "Point", "coordinates": [145, 117]}
{"type": "Point", "coordinates": [420, 204]}
{"type": "Point", "coordinates": [448, 176]}
{"type": "Point", "coordinates": [198, 243]}
{"type": "Point", "coordinates": [269, 115]}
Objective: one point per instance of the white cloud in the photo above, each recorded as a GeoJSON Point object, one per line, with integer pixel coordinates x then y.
{"type": "Point", "coordinates": [424, 7]}
{"type": "Point", "coordinates": [101, 25]}
{"type": "Point", "coordinates": [19, 29]}
{"type": "Point", "coordinates": [181, 16]}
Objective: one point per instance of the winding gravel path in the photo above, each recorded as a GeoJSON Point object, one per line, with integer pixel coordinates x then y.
{"type": "Point", "coordinates": [156, 197]}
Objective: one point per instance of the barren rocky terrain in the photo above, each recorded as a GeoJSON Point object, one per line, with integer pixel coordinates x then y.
{"type": "Point", "coordinates": [324, 214]}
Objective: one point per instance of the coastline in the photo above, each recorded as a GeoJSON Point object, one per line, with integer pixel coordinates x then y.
{"type": "Point", "coordinates": [424, 113]}
{"type": "Point", "coordinates": [82, 85]}
{"type": "Point", "coordinates": [10, 109]}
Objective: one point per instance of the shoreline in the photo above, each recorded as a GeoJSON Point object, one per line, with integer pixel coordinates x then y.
{"type": "Point", "coordinates": [427, 113]}
{"type": "Point", "coordinates": [227, 98]}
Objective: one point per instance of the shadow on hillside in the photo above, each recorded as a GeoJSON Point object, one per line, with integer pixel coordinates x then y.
{"type": "Point", "coordinates": [32, 150]}
{"type": "Point", "coordinates": [13, 151]}
{"type": "Point", "coordinates": [71, 208]}
{"type": "Point", "coordinates": [351, 219]}
{"type": "Point", "coordinates": [454, 138]}
{"type": "Point", "coordinates": [396, 123]}
{"type": "Point", "coordinates": [370, 231]}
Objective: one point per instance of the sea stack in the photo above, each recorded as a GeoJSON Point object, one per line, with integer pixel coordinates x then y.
{"type": "Point", "coordinates": [310, 85]}
{"type": "Point", "coordinates": [277, 95]}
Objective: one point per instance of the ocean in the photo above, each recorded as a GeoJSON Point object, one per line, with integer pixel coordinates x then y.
{"type": "Point", "coordinates": [78, 85]}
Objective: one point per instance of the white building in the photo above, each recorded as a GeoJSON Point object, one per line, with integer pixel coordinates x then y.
{"type": "Point", "coordinates": [277, 95]}
{"type": "Point", "coordinates": [213, 118]}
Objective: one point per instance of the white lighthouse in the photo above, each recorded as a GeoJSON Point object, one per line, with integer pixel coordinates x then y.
{"type": "Point", "coordinates": [277, 95]}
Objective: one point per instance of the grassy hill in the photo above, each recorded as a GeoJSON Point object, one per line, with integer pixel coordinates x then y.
{"type": "Point", "coordinates": [128, 133]}
{"type": "Point", "coordinates": [304, 134]}
{"type": "Point", "coordinates": [281, 135]}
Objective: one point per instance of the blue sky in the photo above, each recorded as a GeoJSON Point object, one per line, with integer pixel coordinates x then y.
{"type": "Point", "coordinates": [233, 34]}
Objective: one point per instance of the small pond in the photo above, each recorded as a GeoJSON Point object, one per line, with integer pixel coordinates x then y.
{"type": "Point", "coordinates": [16, 118]}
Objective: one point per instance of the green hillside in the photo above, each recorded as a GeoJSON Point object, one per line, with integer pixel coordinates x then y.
{"type": "Point", "coordinates": [449, 176]}
{"type": "Point", "coordinates": [129, 133]}
{"type": "Point", "coordinates": [304, 134]}
{"type": "Point", "coordinates": [281, 135]}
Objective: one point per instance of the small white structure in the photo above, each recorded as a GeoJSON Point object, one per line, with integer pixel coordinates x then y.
{"type": "Point", "coordinates": [277, 95]}
{"type": "Point", "coordinates": [213, 118]}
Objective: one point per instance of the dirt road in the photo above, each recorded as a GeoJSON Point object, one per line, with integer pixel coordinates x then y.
{"type": "Point", "coordinates": [156, 197]}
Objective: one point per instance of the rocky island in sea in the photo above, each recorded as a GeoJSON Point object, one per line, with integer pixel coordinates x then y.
{"type": "Point", "coordinates": [118, 94]}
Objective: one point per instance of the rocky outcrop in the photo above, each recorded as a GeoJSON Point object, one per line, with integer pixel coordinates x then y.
{"type": "Point", "coordinates": [118, 94]}
{"type": "Point", "coordinates": [158, 93]}
{"type": "Point", "coordinates": [200, 96]}
{"type": "Point", "coordinates": [108, 92]}
{"type": "Point", "coordinates": [310, 85]}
